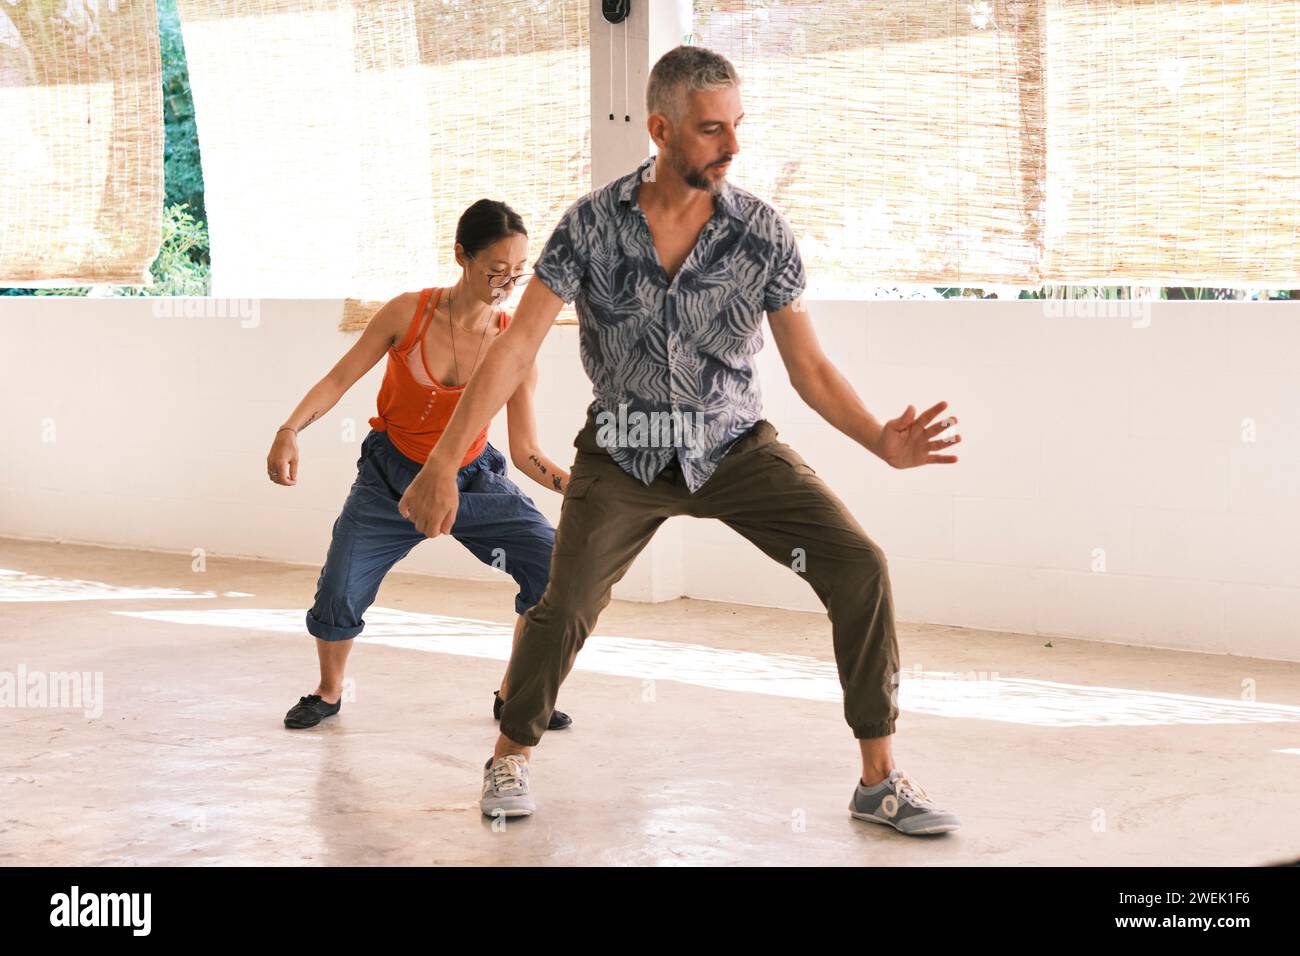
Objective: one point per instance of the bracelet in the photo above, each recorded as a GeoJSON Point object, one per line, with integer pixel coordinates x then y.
{"type": "Point", "coordinates": [283, 427]}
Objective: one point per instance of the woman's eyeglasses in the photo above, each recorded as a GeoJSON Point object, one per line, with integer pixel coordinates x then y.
{"type": "Point", "coordinates": [500, 281]}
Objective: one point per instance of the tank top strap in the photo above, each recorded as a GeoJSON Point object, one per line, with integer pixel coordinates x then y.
{"type": "Point", "coordinates": [505, 320]}
{"type": "Point", "coordinates": [437, 297]}
{"type": "Point", "coordinates": [415, 332]}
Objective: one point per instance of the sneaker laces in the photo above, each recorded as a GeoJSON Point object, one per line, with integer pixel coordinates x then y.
{"type": "Point", "coordinates": [507, 773]}
{"type": "Point", "coordinates": [913, 793]}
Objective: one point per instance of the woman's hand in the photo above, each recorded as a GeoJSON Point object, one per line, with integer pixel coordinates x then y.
{"type": "Point", "coordinates": [282, 462]}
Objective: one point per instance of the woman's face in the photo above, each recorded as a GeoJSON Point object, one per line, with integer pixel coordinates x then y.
{"type": "Point", "coordinates": [505, 257]}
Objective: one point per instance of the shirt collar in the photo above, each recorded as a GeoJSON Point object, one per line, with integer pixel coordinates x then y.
{"type": "Point", "coordinates": [726, 196]}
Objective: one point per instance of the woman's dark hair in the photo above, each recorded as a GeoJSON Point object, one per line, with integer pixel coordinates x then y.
{"type": "Point", "coordinates": [484, 223]}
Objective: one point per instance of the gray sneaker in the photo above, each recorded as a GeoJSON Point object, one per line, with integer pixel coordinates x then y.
{"type": "Point", "coordinates": [901, 804]}
{"type": "Point", "coordinates": [505, 787]}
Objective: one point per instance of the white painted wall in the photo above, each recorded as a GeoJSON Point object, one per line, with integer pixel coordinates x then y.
{"type": "Point", "coordinates": [1079, 434]}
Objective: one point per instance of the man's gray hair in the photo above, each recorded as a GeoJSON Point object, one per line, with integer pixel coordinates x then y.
{"type": "Point", "coordinates": [684, 70]}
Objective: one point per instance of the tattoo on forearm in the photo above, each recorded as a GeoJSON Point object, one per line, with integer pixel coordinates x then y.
{"type": "Point", "coordinates": [314, 416]}
{"type": "Point", "coordinates": [555, 480]}
{"type": "Point", "coordinates": [538, 462]}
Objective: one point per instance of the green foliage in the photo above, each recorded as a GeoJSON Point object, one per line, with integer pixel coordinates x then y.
{"type": "Point", "coordinates": [182, 163]}
{"type": "Point", "coordinates": [182, 266]}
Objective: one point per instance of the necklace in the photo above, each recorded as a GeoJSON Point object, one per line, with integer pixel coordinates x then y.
{"type": "Point", "coordinates": [451, 326]}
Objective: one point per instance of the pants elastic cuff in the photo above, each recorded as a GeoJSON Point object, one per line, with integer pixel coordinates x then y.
{"type": "Point", "coordinates": [881, 728]}
{"type": "Point", "coordinates": [519, 735]}
{"type": "Point", "coordinates": [331, 632]}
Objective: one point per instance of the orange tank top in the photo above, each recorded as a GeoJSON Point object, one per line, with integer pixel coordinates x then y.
{"type": "Point", "coordinates": [415, 411]}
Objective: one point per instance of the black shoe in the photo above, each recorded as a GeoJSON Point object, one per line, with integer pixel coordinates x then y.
{"type": "Point", "coordinates": [559, 719]}
{"type": "Point", "coordinates": [310, 711]}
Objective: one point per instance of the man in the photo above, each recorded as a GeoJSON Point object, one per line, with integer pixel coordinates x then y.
{"type": "Point", "coordinates": [671, 268]}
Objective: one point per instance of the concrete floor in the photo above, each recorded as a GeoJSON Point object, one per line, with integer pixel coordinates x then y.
{"type": "Point", "coordinates": [704, 733]}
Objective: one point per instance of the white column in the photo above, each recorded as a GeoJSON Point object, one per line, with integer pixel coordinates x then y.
{"type": "Point", "coordinates": [653, 28]}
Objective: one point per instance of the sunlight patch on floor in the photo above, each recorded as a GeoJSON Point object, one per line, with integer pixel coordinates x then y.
{"type": "Point", "coordinates": [18, 586]}
{"type": "Point", "coordinates": [1014, 700]}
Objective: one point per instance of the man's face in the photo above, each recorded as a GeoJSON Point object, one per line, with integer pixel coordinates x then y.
{"type": "Point", "coordinates": [700, 146]}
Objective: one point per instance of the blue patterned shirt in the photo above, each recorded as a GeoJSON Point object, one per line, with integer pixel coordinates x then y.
{"type": "Point", "coordinates": [671, 364]}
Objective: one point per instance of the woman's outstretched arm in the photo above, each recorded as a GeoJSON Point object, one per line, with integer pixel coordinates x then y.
{"type": "Point", "coordinates": [380, 334]}
{"type": "Point", "coordinates": [525, 453]}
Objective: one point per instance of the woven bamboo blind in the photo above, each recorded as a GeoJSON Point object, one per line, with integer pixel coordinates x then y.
{"type": "Point", "coordinates": [81, 142]}
{"type": "Point", "coordinates": [903, 140]}
{"type": "Point", "coordinates": [1062, 141]}
{"type": "Point", "coordinates": [1174, 142]}
{"type": "Point", "coordinates": [933, 141]}
{"type": "Point", "coordinates": [342, 139]}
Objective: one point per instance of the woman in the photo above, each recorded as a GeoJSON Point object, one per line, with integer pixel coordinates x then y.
{"type": "Point", "coordinates": [434, 341]}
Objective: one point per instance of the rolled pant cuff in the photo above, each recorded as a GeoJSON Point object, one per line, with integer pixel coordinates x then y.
{"type": "Point", "coordinates": [882, 728]}
{"type": "Point", "coordinates": [519, 735]}
{"type": "Point", "coordinates": [331, 632]}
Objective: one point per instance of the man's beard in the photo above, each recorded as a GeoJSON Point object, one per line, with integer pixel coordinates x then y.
{"type": "Point", "coordinates": [695, 178]}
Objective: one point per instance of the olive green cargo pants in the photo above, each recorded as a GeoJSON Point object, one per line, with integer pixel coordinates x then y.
{"type": "Point", "coordinates": [763, 490]}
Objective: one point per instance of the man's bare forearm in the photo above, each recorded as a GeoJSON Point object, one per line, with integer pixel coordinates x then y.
{"type": "Point", "coordinates": [489, 388]}
{"type": "Point", "coordinates": [829, 394]}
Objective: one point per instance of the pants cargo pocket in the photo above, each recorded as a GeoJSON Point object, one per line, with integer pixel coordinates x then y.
{"type": "Point", "coordinates": [575, 526]}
